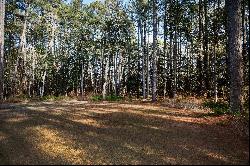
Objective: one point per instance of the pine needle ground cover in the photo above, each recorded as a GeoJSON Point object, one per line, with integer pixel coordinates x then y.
{"type": "Point", "coordinates": [81, 132]}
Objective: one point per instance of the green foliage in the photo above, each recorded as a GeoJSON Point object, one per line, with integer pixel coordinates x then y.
{"type": "Point", "coordinates": [61, 41]}
{"type": "Point", "coordinates": [17, 99]}
{"type": "Point", "coordinates": [218, 108]}
{"type": "Point", "coordinates": [96, 98]}
{"type": "Point", "coordinates": [113, 98]}
{"type": "Point", "coordinates": [246, 106]}
{"type": "Point", "coordinates": [54, 98]}
{"type": "Point", "coordinates": [23, 96]}
{"type": "Point", "coordinates": [47, 98]}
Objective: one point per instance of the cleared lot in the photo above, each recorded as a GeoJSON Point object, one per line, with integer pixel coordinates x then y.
{"type": "Point", "coordinates": [74, 132]}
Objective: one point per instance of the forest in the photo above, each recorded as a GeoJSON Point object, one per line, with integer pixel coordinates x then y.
{"type": "Point", "coordinates": [139, 48]}
{"type": "Point", "coordinates": [172, 59]}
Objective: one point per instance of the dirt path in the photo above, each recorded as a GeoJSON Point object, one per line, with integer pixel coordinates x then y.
{"type": "Point", "coordinates": [111, 133]}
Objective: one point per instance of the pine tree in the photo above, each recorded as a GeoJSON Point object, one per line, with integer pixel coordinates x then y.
{"type": "Point", "coordinates": [235, 54]}
{"type": "Point", "coordinates": [2, 15]}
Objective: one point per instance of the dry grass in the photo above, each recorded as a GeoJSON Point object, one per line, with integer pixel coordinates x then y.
{"type": "Point", "coordinates": [78, 132]}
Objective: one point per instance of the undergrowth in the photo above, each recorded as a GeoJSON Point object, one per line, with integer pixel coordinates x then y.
{"type": "Point", "coordinates": [218, 108]}
{"type": "Point", "coordinates": [111, 97]}
{"type": "Point", "coordinates": [221, 108]}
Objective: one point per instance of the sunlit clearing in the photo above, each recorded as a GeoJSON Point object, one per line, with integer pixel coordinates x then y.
{"type": "Point", "coordinates": [52, 143]}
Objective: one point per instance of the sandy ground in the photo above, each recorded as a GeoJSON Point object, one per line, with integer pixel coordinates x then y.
{"type": "Point", "coordinates": [74, 132]}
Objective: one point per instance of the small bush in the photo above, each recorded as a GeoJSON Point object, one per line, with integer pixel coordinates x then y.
{"type": "Point", "coordinates": [108, 98]}
{"type": "Point", "coordinates": [48, 98]}
{"type": "Point", "coordinates": [54, 98]}
{"type": "Point", "coordinates": [114, 98]}
{"type": "Point", "coordinates": [96, 98]}
{"type": "Point", "coordinates": [218, 108]}
{"type": "Point", "coordinates": [17, 99]}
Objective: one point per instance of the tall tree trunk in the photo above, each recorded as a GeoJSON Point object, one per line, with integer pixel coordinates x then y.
{"type": "Point", "coordinates": [248, 50]}
{"type": "Point", "coordinates": [128, 81]}
{"type": "Point", "coordinates": [104, 90]}
{"type": "Point", "coordinates": [179, 59]}
{"type": "Point", "coordinates": [214, 56]}
{"type": "Point", "coordinates": [205, 49]}
{"type": "Point", "coordinates": [116, 70]}
{"type": "Point", "coordinates": [235, 54]}
{"type": "Point", "coordinates": [148, 66]}
{"type": "Point", "coordinates": [199, 61]}
{"type": "Point", "coordinates": [165, 71]}
{"type": "Point", "coordinates": [188, 69]}
{"type": "Point", "coordinates": [175, 63]}
{"type": "Point", "coordinates": [175, 53]}
{"type": "Point", "coordinates": [42, 88]}
{"type": "Point", "coordinates": [23, 52]}
{"type": "Point", "coordinates": [143, 59]}
{"type": "Point", "coordinates": [82, 77]}
{"type": "Point", "coordinates": [154, 55]}
{"type": "Point", "coordinates": [248, 33]}
{"type": "Point", "coordinates": [120, 72]}
{"type": "Point", "coordinates": [32, 80]}
{"type": "Point", "coordinates": [141, 54]}
{"type": "Point", "coordinates": [145, 54]}
{"type": "Point", "coordinates": [244, 51]}
{"type": "Point", "coordinates": [102, 66]}
{"type": "Point", "coordinates": [243, 30]}
{"type": "Point", "coordinates": [146, 32]}
{"type": "Point", "coordinates": [2, 15]}
{"type": "Point", "coordinates": [171, 53]}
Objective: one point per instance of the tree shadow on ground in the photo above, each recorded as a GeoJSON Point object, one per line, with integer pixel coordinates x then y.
{"type": "Point", "coordinates": [71, 133]}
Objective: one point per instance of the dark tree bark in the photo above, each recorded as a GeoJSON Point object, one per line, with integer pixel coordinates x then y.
{"type": "Point", "coordinates": [166, 67]}
{"type": "Point", "coordinates": [147, 57]}
{"type": "Point", "coordinates": [171, 49]}
{"type": "Point", "coordinates": [215, 44]}
{"type": "Point", "coordinates": [205, 49]}
{"type": "Point", "coordinates": [175, 51]}
{"type": "Point", "coordinates": [235, 54]}
{"type": "Point", "coordinates": [144, 56]}
{"type": "Point", "coordinates": [142, 51]}
{"type": "Point", "coordinates": [199, 61]}
{"type": "Point", "coordinates": [154, 65]}
{"type": "Point", "coordinates": [2, 15]}
{"type": "Point", "coordinates": [248, 34]}
{"type": "Point", "coordinates": [244, 48]}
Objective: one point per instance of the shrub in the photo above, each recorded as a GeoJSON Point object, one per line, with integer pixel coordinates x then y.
{"type": "Point", "coordinates": [48, 98]}
{"type": "Point", "coordinates": [218, 108]}
{"type": "Point", "coordinates": [54, 98]}
{"type": "Point", "coordinates": [114, 98]}
{"type": "Point", "coordinates": [96, 98]}
{"type": "Point", "coordinates": [108, 98]}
